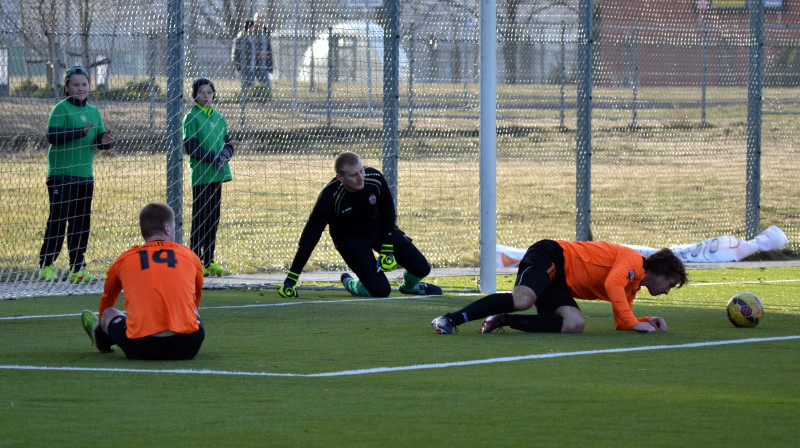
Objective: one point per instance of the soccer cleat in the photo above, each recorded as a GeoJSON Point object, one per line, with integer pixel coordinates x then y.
{"type": "Point", "coordinates": [423, 289]}
{"type": "Point", "coordinates": [215, 270]}
{"type": "Point", "coordinates": [347, 280]}
{"type": "Point", "coordinates": [103, 343]}
{"type": "Point", "coordinates": [49, 274]}
{"type": "Point", "coordinates": [443, 325]}
{"type": "Point", "coordinates": [82, 276]}
{"type": "Point", "coordinates": [428, 289]}
{"type": "Point", "coordinates": [496, 322]}
{"type": "Point", "coordinates": [88, 319]}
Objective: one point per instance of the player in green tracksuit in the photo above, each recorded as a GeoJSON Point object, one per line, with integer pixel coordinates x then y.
{"type": "Point", "coordinates": [206, 141]}
{"type": "Point", "coordinates": [74, 129]}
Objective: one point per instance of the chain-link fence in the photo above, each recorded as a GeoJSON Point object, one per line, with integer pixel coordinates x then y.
{"type": "Point", "coordinates": [668, 143]}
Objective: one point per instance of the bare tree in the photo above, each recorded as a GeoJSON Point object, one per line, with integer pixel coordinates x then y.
{"type": "Point", "coordinates": [85, 26]}
{"type": "Point", "coordinates": [40, 25]}
{"type": "Point", "coordinates": [47, 11]}
{"type": "Point", "coordinates": [510, 26]}
{"type": "Point", "coordinates": [512, 16]}
{"type": "Point", "coordinates": [219, 17]}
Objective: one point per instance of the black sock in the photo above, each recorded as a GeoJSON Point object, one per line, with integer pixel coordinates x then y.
{"type": "Point", "coordinates": [102, 340]}
{"type": "Point", "coordinates": [535, 323]}
{"type": "Point", "coordinates": [487, 306]}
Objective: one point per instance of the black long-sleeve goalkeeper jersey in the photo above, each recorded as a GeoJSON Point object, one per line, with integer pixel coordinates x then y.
{"type": "Point", "coordinates": [352, 217]}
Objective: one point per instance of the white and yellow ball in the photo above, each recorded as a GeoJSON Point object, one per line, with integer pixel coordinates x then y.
{"type": "Point", "coordinates": [745, 310]}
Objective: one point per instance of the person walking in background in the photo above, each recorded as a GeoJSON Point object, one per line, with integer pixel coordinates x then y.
{"type": "Point", "coordinates": [359, 210]}
{"type": "Point", "coordinates": [264, 49]}
{"type": "Point", "coordinates": [162, 283]}
{"type": "Point", "coordinates": [552, 273]}
{"type": "Point", "coordinates": [206, 141]}
{"type": "Point", "coordinates": [245, 54]}
{"type": "Point", "coordinates": [75, 128]}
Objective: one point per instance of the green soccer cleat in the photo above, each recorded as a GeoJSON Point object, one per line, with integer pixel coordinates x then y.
{"type": "Point", "coordinates": [49, 274]}
{"type": "Point", "coordinates": [88, 320]}
{"type": "Point", "coordinates": [82, 276]}
{"type": "Point", "coordinates": [215, 270]}
{"type": "Point", "coordinates": [347, 281]}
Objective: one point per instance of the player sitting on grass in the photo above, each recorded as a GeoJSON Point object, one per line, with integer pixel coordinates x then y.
{"type": "Point", "coordinates": [359, 210]}
{"type": "Point", "coordinates": [552, 273]}
{"type": "Point", "coordinates": [163, 282]}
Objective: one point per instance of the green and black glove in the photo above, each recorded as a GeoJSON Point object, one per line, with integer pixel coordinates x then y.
{"type": "Point", "coordinates": [386, 261]}
{"type": "Point", "coordinates": [222, 158]}
{"type": "Point", "coordinates": [288, 290]}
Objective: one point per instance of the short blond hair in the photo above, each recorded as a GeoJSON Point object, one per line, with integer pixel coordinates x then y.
{"type": "Point", "coordinates": [346, 158]}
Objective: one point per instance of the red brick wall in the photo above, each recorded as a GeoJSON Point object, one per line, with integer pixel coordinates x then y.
{"type": "Point", "coordinates": [669, 41]}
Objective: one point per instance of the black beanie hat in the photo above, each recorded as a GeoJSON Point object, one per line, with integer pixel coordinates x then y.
{"type": "Point", "coordinates": [201, 82]}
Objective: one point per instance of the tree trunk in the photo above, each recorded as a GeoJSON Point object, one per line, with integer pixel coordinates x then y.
{"type": "Point", "coordinates": [85, 26]}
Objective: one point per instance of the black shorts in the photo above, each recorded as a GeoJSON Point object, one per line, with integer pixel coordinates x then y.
{"type": "Point", "coordinates": [359, 254]}
{"type": "Point", "coordinates": [542, 270]}
{"type": "Point", "coordinates": [179, 346]}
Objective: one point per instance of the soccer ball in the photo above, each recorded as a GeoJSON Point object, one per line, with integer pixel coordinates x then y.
{"type": "Point", "coordinates": [745, 310]}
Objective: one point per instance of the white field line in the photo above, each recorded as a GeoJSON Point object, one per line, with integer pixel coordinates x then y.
{"type": "Point", "coordinates": [363, 299]}
{"type": "Point", "coordinates": [252, 305]}
{"type": "Point", "coordinates": [375, 370]}
{"type": "Point", "coordinates": [754, 282]}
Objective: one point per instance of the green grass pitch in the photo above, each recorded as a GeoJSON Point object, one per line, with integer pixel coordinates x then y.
{"type": "Point", "coordinates": [331, 370]}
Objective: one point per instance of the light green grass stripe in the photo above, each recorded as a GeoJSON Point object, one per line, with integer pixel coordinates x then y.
{"type": "Point", "coordinates": [411, 367]}
{"type": "Point", "coordinates": [251, 305]}
{"type": "Point", "coordinates": [368, 299]}
{"type": "Point", "coordinates": [754, 282]}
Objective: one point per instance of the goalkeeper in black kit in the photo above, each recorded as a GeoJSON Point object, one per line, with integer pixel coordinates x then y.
{"type": "Point", "coordinates": [359, 210]}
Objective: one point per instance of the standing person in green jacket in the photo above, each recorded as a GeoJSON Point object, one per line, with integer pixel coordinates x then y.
{"type": "Point", "coordinates": [74, 129]}
{"type": "Point", "coordinates": [206, 141]}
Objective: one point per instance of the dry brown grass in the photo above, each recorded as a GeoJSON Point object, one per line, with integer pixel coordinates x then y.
{"type": "Point", "coordinates": [669, 181]}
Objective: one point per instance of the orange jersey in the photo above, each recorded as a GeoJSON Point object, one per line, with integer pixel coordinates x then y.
{"type": "Point", "coordinates": [605, 271]}
{"type": "Point", "coordinates": [163, 283]}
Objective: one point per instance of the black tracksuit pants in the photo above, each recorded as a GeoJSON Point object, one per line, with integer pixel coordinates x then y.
{"type": "Point", "coordinates": [70, 213]}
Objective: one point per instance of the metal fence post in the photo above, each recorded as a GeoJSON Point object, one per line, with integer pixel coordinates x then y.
{"type": "Point", "coordinates": [583, 165]}
{"type": "Point", "coordinates": [329, 97]}
{"type": "Point", "coordinates": [152, 55]}
{"type": "Point", "coordinates": [391, 71]}
{"type": "Point", "coordinates": [295, 61]}
{"type": "Point", "coordinates": [705, 71]}
{"type": "Point", "coordinates": [635, 80]}
{"type": "Point", "coordinates": [754, 95]}
{"type": "Point", "coordinates": [369, 57]}
{"type": "Point", "coordinates": [174, 113]}
{"type": "Point", "coordinates": [411, 77]}
{"type": "Point", "coordinates": [562, 75]}
{"type": "Point", "coordinates": [464, 64]}
{"type": "Point", "coordinates": [57, 70]}
{"type": "Point", "coordinates": [488, 142]}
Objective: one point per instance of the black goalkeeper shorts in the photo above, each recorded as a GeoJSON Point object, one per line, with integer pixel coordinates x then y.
{"type": "Point", "coordinates": [176, 347]}
{"type": "Point", "coordinates": [542, 270]}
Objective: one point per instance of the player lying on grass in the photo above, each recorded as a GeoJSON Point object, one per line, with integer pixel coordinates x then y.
{"type": "Point", "coordinates": [358, 209]}
{"type": "Point", "coordinates": [552, 273]}
{"type": "Point", "coordinates": [163, 283]}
